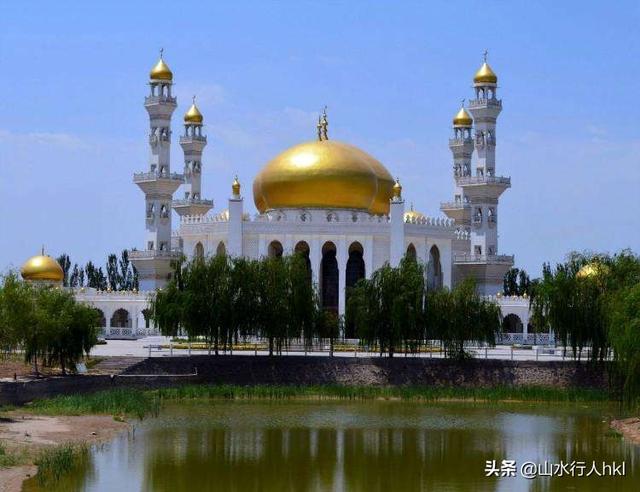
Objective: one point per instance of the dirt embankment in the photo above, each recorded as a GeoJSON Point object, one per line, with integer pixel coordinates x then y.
{"type": "Point", "coordinates": [23, 435]}
{"type": "Point", "coordinates": [629, 428]}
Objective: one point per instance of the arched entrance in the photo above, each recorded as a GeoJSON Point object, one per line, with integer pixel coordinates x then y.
{"type": "Point", "coordinates": [329, 277]}
{"type": "Point", "coordinates": [275, 249]}
{"type": "Point", "coordinates": [121, 319]}
{"type": "Point", "coordinates": [198, 251]}
{"type": "Point", "coordinates": [221, 250]}
{"type": "Point", "coordinates": [302, 248]}
{"type": "Point", "coordinates": [512, 324]}
{"type": "Point", "coordinates": [434, 269]}
{"type": "Point", "coordinates": [411, 252]}
{"type": "Point", "coordinates": [355, 271]}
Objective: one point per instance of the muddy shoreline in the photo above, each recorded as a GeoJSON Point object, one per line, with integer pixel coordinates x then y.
{"type": "Point", "coordinates": [629, 428]}
{"type": "Point", "coordinates": [24, 435]}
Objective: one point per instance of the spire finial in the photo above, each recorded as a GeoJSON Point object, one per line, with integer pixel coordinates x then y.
{"type": "Point", "coordinates": [462, 102]}
{"type": "Point", "coordinates": [193, 99]}
{"type": "Point", "coordinates": [486, 53]}
{"type": "Point", "coordinates": [161, 52]}
{"type": "Point", "coordinates": [42, 250]}
{"type": "Point", "coordinates": [324, 124]}
{"type": "Point", "coordinates": [235, 187]}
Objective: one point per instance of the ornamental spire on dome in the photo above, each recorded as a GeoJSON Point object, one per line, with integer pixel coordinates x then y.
{"type": "Point", "coordinates": [462, 117]}
{"type": "Point", "coordinates": [323, 125]}
{"type": "Point", "coordinates": [397, 189]}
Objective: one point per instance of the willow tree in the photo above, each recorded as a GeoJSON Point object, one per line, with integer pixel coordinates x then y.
{"type": "Point", "coordinates": [388, 308]}
{"type": "Point", "coordinates": [570, 300]}
{"type": "Point", "coordinates": [16, 312]}
{"type": "Point", "coordinates": [460, 316]}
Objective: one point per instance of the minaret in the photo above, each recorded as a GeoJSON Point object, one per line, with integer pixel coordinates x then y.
{"type": "Point", "coordinates": [483, 188]}
{"type": "Point", "coordinates": [396, 219]}
{"type": "Point", "coordinates": [236, 217]}
{"type": "Point", "coordinates": [461, 146]}
{"type": "Point", "coordinates": [192, 143]}
{"type": "Point", "coordinates": [158, 184]}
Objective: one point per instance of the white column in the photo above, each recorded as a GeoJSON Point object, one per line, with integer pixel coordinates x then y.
{"type": "Point", "coordinates": [235, 226]}
{"type": "Point", "coordinates": [396, 244]}
{"type": "Point", "coordinates": [342, 256]}
{"type": "Point", "coordinates": [315, 257]}
{"type": "Point", "coordinates": [368, 257]}
{"type": "Point", "coordinates": [446, 262]}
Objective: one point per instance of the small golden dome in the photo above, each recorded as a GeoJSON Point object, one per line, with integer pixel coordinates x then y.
{"type": "Point", "coordinates": [412, 215]}
{"type": "Point", "coordinates": [397, 189]}
{"type": "Point", "coordinates": [485, 75]}
{"type": "Point", "coordinates": [462, 119]}
{"type": "Point", "coordinates": [593, 269]}
{"type": "Point", "coordinates": [42, 267]}
{"type": "Point", "coordinates": [323, 174]}
{"type": "Point", "coordinates": [193, 115]}
{"type": "Point", "coordinates": [161, 71]}
{"type": "Point", "coordinates": [235, 187]}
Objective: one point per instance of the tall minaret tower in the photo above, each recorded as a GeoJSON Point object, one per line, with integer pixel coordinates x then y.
{"type": "Point", "coordinates": [461, 146]}
{"type": "Point", "coordinates": [192, 143]}
{"type": "Point", "coordinates": [482, 189]}
{"type": "Point", "coordinates": [158, 184]}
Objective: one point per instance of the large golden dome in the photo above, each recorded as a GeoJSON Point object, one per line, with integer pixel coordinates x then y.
{"type": "Point", "coordinates": [324, 174]}
{"type": "Point", "coordinates": [42, 267]}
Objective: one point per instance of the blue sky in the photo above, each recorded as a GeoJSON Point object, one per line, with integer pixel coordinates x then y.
{"type": "Point", "coordinates": [73, 127]}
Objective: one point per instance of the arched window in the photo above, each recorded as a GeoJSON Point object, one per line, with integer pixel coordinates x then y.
{"type": "Point", "coordinates": [355, 271]}
{"type": "Point", "coordinates": [302, 248]}
{"type": "Point", "coordinates": [275, 249]}
{"type": "Point", "coordinates": [329, 277]}
{"type": "Point", "coordinates": [198, 251]}
{"type": "Point", "coordinates": [411, 252]}
{"type": "Point", "coordinates": [434, 269]}
{"type": "Point", "coordinates": [512, 324]}
{"type": "Point", "coordinates": [146, 313]}
{"type": "Point", "coordinates": [121, 319]}
{"type": "Point", "coordinates": [221, 250]}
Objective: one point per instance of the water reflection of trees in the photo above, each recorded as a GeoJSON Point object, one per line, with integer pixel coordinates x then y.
{"type": "Point", "coordinates": [317, 459]}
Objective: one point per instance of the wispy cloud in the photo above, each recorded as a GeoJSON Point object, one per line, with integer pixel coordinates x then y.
{"type": "Point", "coordinates": [65, 141]}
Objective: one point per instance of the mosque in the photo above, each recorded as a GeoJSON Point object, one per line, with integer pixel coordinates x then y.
{"type": "Point", "coordinates": [329, 200]}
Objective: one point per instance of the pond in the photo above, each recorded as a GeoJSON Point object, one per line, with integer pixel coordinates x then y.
{"type": "Point", "coordinates": [359, 446]}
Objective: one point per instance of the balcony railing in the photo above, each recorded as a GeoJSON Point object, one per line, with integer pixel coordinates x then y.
{"type": "Point", "coordinates": [159, 99]}
{"type": "Point", "coordinates": [192, 201]}
{"type": "Point", "coordinates": [154, 253]}
{"type": "Point", "coordinates": [483, 101]}
{"type": "Point", "coordinates": [474, 180]}
{"type": "Point", "coordinates": [193, 138]}
{"type": "Point", "coordinates": [468, 258]}
{"type": "Point", "coordinates": [454, 205]}
{"type": "Point", "coordinates": [153, 175]}
{"type": "Point", "coordinates": [460, 141]}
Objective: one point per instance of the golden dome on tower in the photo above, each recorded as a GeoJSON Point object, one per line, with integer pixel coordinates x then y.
{"type": "Point", "coordinates": [324, 174]}
{"type": "Point", "coordinates": [193, 115]}
{"type": "Point", "coordinates": [42, 267]}
{"type": "Point", "coordinates": [593, 269]}
{"type": "Point", "coordinates": [161, 71]}
{"type": "Point", "coordinates": [397, 189]}
{"type": "Point", "coordinates": [235, 187]}
{"type": "Point", "coordinates": [412, 215]}
{"type": "Point", "coordinates": [462, 118]}
{"type": "Point", "coordinates": [485, 75]}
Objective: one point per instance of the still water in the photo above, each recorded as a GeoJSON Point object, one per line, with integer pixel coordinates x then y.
{"type": "Point", "coordinates": [361, 446]}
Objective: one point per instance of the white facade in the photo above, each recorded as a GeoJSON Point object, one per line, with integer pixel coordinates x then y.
{"type": "Point", "coordinates": [342, 244]}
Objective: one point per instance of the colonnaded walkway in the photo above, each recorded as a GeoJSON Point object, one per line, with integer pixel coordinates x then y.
{"type": "Point", "coordinates": [158, 346]}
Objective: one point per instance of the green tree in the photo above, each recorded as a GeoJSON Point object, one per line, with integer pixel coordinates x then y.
{"type": "Point", "coordinates": [460, 316]}
{"type": "Point", "coordinates": [16, 311]}
{"type": "Point", "coordinates": [388, 308]}
{"type": "Point", "coordinates": [65, 262]}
